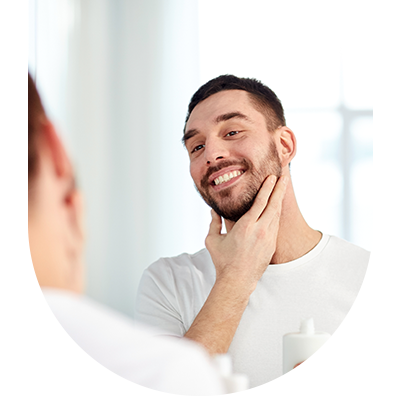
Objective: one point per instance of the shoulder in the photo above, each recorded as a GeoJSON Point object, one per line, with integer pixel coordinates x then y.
{"type": "Point", "coordinates": [131, 349]}
{"type": "Point", "coordinates": [346, 249]}
{"type": "Point", "coordinates": [185, 264]}
{"type": "Point", "coordinates": [350, 259]}
{"type": "Point", "coordinates": [91, 323]}
{"type": "Point", "coordinates": [75, 311]}
{"type": "Point", "coordinates": [172, 290]}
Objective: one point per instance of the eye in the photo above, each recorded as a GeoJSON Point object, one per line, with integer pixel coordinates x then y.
{"type": "Point", "coordinates": [197, 148]}
{"type": "Point", "coordinates": [232, 133]}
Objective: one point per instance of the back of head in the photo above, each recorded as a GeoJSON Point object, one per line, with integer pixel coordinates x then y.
{"type": "Point", "coordinates": [262, 97]}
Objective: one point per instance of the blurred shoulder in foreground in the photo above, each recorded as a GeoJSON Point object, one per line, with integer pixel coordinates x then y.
{"type": "Point", "coordinates": [56, 239]}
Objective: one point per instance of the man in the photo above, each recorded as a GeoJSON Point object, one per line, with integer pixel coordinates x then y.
{"type": "Point", "coordinates": [56, 241]}
{"type": "Point", "coordinates": [270, 270]}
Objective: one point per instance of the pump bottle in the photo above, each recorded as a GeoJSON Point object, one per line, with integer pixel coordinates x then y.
{"type": "Point", "coordinates": [299, 346]}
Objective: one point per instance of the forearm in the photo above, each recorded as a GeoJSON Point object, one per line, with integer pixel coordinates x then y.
{"type": "Point", "coordinates": [240, 257]}
{"type": "Point", "coordinates": [216, 324]}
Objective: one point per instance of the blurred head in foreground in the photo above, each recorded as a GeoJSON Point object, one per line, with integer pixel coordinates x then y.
{"type": "Point", "coordinates": [54, 204]}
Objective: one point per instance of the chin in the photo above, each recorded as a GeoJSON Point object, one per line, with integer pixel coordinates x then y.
{"type": "Point", "coordinates": [233, 212]}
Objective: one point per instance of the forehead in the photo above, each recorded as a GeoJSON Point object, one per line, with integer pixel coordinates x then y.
{"type": "Point", "coordinates": [228, 101]}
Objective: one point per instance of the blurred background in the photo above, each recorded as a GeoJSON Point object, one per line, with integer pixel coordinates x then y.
{"type": "Point", "coordinates": [116, 77]}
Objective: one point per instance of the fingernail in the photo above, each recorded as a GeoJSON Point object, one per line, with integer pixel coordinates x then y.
{"type": "Point", "coordinates": [298, 369]}
{"type": "Point", "coordinates": [272, 178]}
{"type": "Point", "coordinates": [291, 381]}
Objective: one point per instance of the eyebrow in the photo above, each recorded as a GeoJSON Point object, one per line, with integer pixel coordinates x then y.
{"type": "Point", "coordinates": [220, 118]}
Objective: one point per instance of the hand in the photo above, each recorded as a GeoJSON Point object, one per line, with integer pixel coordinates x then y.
{"type": "Point", "coordinates": [309, 378]}
{"type": "Point", "coordinates": [243, 254]}
{"type": "Point", "coordinates": [240, 257]}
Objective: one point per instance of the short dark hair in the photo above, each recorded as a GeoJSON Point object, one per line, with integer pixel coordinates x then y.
{"type": "Point", "coordinates": [263, 98]}
{"type": "Point", "coordinates": [36, 117]}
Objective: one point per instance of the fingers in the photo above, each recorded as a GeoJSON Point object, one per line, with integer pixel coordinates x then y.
{"type": "Point", "coordinates": [275, 200]}
{"type": "Point", "coordinates": [216, 224]}
{"type": "Point", "coordinates": [313, 365]}
{"type": "Point", "coordinates": [262, 198]}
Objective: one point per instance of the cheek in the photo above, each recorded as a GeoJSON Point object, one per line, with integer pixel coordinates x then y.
{"type": "Point", "coordinates": [195, 173]}
{"type": "Point", "coordinates": [249, 149]}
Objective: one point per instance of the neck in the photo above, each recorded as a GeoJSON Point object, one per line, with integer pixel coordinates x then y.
{"type": "Point", "coordinates": [295, 237]}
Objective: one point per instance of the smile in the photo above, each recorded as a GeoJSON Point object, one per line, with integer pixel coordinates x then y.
{"type": "Point", "coordinates": [227, 177]}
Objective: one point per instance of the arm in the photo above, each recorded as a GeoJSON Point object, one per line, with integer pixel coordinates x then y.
{"type": "Point", "coordinates": [309, 377]}
{"type": "Point", "coordinates": [217, 321]}
{"type": "Point", "coordinates": [240, 258]}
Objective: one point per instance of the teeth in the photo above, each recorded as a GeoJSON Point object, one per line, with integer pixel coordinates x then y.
{"type": "Point", "coordinates": [226, 177]}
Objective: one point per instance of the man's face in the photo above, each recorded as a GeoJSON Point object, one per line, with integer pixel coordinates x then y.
{"type": "Point", "coordinates": [231, 152]}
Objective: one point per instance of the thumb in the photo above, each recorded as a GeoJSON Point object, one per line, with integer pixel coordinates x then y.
{"type": "Point", "coordinates": [215, 225]}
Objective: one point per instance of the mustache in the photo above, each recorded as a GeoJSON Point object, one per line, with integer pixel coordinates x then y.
{"type": "Point", "coordinates": [221, 165]}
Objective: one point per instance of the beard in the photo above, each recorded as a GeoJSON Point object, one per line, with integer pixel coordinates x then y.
{"type": "Point", "coordinates": [223, 203]}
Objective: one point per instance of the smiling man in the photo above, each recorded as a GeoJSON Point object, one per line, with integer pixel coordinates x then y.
{"type": "Point", "coordinates": [255, 283]}
{"type": "Point", "coordinates": [216, 181]}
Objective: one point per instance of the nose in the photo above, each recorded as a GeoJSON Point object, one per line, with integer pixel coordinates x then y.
{"type": "Point", "coordinates": [215, 150]}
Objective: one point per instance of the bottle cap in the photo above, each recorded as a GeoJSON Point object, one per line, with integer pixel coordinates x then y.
{"type": "Point", "coordinates": [307, 326]}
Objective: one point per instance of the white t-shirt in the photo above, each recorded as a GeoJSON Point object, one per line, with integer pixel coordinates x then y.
{"type": "Point", "coordinates": [132, 350]}
{"type": "Point", "coordinates": [322, 284]}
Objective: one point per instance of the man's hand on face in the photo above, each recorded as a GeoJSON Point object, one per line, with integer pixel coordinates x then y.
{"type": "Point", "coordinates": [243, 254]}
{"type": "Point", "coordinates": [240, 257]}
{"type": "Point", "coordinates": [309, 377]}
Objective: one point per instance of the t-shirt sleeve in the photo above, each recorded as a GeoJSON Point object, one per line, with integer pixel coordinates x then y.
{"type": "Point", "coordinates": [157, 301]}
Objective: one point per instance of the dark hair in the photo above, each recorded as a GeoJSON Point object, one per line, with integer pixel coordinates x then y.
{"type": "Point", "coordinates": [36, 117]}
{"type": "Point", "coordinates": [263, 98]}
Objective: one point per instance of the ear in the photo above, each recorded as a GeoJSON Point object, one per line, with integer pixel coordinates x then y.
{"type": "Point", "coordinates": [62, 165]}
{"type": "Point", "coordinates": [69, 194]}
{"type": "Point", "coordinates": [287, 145]}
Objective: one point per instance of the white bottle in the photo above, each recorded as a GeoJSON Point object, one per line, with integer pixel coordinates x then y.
{"type": "Point", "coordinates": [297, 347]}
{"type": "Point", "coordinates": [233, 382]}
